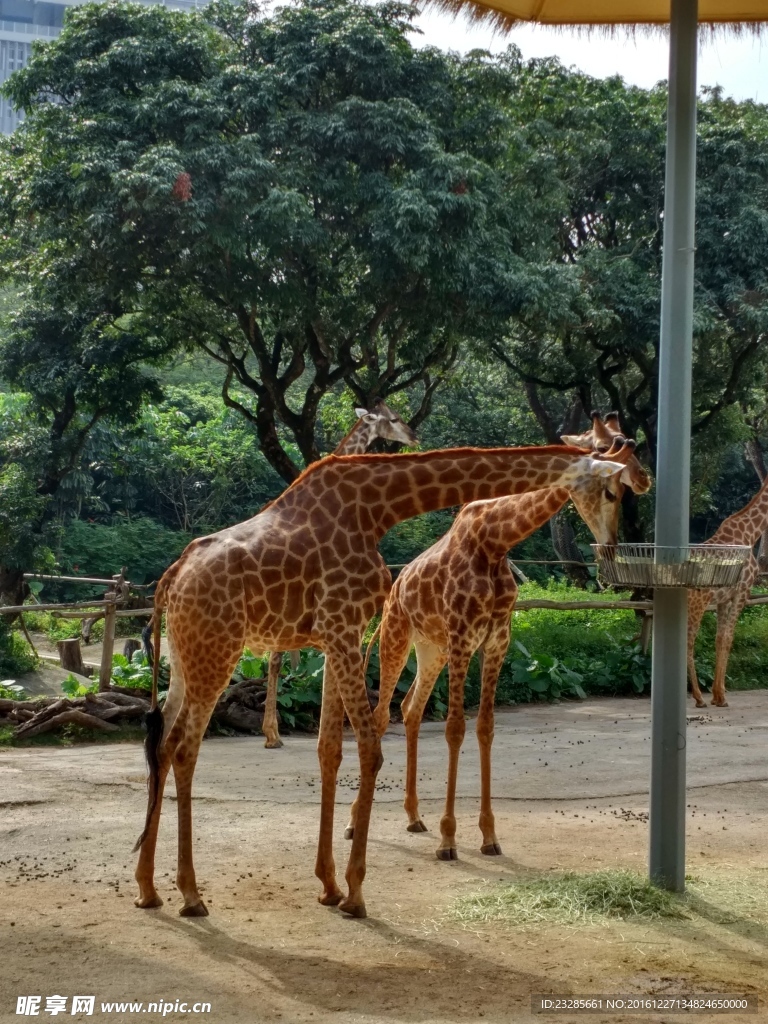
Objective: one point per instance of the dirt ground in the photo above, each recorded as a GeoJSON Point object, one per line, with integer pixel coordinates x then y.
{"type": "Point", "coordinates": [571, 788]}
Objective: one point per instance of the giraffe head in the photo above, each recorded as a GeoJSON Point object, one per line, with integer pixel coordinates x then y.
{"type": "Point", "coordinates": [604, 433]}
{"type": "Point", "coordinates": [381, 421]}
{"type": "Point", "coordinates": [597, 497]}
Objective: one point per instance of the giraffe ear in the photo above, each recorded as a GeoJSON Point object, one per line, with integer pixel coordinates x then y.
{"type": "Point", "coordinates": [576, 441]}
{"type": "Point", "coordinates": [360, 413]}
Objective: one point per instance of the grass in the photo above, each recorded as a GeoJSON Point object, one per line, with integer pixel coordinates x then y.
{"type": "Point", "coordinates": [571, 898]}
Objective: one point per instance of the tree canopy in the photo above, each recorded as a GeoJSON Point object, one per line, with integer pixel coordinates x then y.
{"type": "Point", "coordinates": [306, 197]}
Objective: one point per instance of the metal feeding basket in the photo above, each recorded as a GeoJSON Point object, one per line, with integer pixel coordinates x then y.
{"type": "Point", "coordinates": [654, 565]}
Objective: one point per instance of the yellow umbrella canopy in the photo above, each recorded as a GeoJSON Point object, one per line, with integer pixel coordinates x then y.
{"type": "Point", "coordinates": [606, 12]}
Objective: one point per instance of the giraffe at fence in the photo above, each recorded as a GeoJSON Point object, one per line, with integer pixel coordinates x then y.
{"type": "Point", "coordinates": [377, 422]}
{"type": "Point", "coordinates": [743, 527]}
{"type": "Point", "coordinates": [305, 572]}
{"type": "Point", "coordinates": [457, 598]}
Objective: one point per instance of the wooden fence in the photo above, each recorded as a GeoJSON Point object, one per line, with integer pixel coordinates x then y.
{"type": "Point", "coordinates": [119, 589]}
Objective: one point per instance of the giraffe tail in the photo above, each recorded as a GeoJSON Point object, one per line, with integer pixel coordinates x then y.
{"type": "Point", "coordinates": [154, 720]}
{"type": "Point", "coordinates": [369, 649]}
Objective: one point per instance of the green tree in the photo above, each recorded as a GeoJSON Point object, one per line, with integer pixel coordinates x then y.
{"type": "Point", "coordinates": [606, 140]}
{"type": "Point", "coordinates": [76, 367]}
{"type": "Point", "coordinates": [305, 196]}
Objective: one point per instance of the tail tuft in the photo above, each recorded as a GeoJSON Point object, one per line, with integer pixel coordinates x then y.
{"type": "Point", "coordinates": [155, 725]}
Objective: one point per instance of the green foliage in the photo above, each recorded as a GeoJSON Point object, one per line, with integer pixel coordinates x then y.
{"type": "Point", "coordinates": [74, 688]}
{"type": "Point", "coordinates": [16, 657]}
{"type": "Point", "coordinates": [138, 672]}
{"type": "Point", "coordinates": [299, 693]}
{"type": "Point", "coordinates": [12, 691]}
{"type": "Point", "coordinates": [144, 546]}
{"type": "Point", "coordinates": [546, 676]}
{"type": "Point", "coordinates": [572, 632]}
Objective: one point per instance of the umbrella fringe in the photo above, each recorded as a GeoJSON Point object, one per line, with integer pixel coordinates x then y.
{"type": "Point", "coordinates": [503, 22]}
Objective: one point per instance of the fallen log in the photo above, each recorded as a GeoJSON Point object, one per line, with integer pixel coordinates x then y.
{"type": "Point", "coordinates": [238, 717]}
{"type": "Point", "coordinates": [133, 711]}
{"type": "Point", "coordinates": [129, 691]}
{"type": "Point", "coordinates": [74, 716]}
{"type": "Point", "coordinates": [127, 700]}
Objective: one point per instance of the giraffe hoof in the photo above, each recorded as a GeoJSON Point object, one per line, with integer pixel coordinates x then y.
{"type": "Point", "coordinates": [417, 826]}
{"type": "Point", "coordinates": [720, 703]}
{"type": "Point", "coordinates": [491, 850]}
{"type": "Point", "coordinates": [353, 909]}
{"type": "Point", "coordinates": [148, 902]}
{"type": "Point", "coordinates": [273, 744]}
{"type": "Point", "coordinates": [349, 832]}
{"type": "Point", "coordinates": [700, 704]}
{"type": "Point", "coordinates": [331, 899]}
{"type": "Point", "coordinates": [447, 853]}
{"type": "Point", "coordinates": [195, 910]}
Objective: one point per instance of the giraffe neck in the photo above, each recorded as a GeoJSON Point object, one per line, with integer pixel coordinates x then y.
{"type": "Point", "coordinates": [746, 525]}
{"type": "Point", "coordinates": [499, 525]}
{"type": "Point", "coordinates": [357, 440]}
{"type": "Point", "coordinates": [378, 491]}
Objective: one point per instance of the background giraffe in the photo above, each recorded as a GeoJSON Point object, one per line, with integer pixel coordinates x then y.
{"type": "Point", "coordinates": [305, 572]}
{"type": "Point", "coordinates": [744, 527]}
{"type": "Point", "coordinates": [457, 598]}
{"type": "Point", "coordinates": [378, 421]}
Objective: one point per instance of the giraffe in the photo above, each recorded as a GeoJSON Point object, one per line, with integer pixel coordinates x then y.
{"type": "Point", "coordinates": [378, 421]}
{"type": "Point", "coordinates": [457, 598]}
{"type": "Point", "coordinates": [743, 527]}
{"type": "Point", "coordinates": [305, 572]}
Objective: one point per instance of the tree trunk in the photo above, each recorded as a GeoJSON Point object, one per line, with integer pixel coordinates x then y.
{"type": "Point", "coordinates": [71, 657]}
{"type": "Point", "coordinates": [13, 588]}
{"type": "Point", "coordinates": [130, 647]}
{"type": "Point", "coordinates": [564, 543]}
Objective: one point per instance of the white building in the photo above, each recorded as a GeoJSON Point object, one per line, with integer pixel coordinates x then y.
{"type": "Point", "coordinates": [22, 21]}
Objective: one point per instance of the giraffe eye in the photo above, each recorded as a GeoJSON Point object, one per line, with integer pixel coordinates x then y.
{"type": "Point", "coordinates": [610, 495]}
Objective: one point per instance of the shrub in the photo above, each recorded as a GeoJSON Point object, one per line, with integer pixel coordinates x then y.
{"type": "Point", "coordinates": [16, 658]}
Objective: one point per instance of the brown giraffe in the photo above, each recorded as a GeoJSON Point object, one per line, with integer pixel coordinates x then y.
{"type": "Point", "coordinates": [378, 421]}
{"type": "Point", "coordinates": [743, 527]}
{"type": "Point", "coordinates": [457, 598]}
{"type": "Point", "coordinates": [305, 572]}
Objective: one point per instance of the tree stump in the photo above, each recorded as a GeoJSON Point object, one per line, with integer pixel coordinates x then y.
{"type": "Point", "coordinates": [70, 656]}
{"type": "Point", "coordinates": [130, 647]}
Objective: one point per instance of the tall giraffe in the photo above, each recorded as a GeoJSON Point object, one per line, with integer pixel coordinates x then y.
{"type": "Point", "coordinates": [305, 572]}
{"type": "Point", "coordinates": [457, 598]}
{"type": "Point", "coordinates": [743, 527]}
{"type": "Point", "coordinates": [378, 421]}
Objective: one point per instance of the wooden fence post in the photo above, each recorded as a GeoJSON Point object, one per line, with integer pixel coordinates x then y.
{"type": "Point", "coordinates": [114, 595]}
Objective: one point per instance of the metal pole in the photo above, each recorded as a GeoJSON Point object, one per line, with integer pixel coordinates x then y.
{"type": "Point", "coordinates": [667, 804]}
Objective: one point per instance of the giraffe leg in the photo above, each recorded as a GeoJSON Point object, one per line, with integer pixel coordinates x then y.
{"type": "Point", "coordinates": [269, 724]}
{"type": "Point", "coordinates": [394, 645]}
{"type": "Point", "coordinates": [492, 659]}
{"type": "Point", "coordinates": [329, 756]}
{"type": "Point", "coordinates": [430, 662]}
{"type": "Point", "coordinates": [455, 727]}
{"type": "Point", "coordinates": [697, 605]}
{"type": "Point", "coordinates": [347, 667]}
{"type": "Point", "coordinates": [195, 718]}
{"type": "Point", "coordinates": [145, 869]}
{"type": "Point", "coordinates": [727, 617]}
